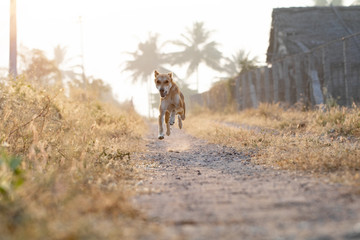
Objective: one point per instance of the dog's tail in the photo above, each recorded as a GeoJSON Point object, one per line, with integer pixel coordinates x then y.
{"type": "Point", "coordinates": [183, 115]}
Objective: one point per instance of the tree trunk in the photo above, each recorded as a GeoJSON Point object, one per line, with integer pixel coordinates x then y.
{"type": "Point", "coordinates": [13, 44]}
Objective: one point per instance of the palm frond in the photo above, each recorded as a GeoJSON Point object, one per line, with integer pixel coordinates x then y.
{"type": "Point", "coordinates": [196, 49]}
{"type": "Point", "coordinates": [212, 56]}
{"type": "Point", "coordinates": [180, 43]}
{"type": "Point", "coordinates": [240, 62]}
{"type": "Point", "coordinates": [145, 59]}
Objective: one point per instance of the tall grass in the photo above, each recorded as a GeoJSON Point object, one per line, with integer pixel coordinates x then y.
{"type": "Point", "coordinates": [66, 165]}
{"type": "Point", "coordinates": [323, 141]}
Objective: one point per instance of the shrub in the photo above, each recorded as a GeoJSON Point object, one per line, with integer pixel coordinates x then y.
{"type": "Point", "coordinates": [76, 156]}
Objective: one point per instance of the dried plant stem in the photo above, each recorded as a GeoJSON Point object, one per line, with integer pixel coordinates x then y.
{"type": "Point", "coordinates": [44, 111]}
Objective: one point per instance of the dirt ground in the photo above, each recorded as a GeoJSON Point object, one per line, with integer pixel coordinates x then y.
{"type": "Point", "coordinates": [204, 191]}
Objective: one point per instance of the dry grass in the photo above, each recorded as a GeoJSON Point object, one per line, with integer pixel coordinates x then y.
{"type": "Point", "coordinates": [323, 142]}
{"type": "Point", "coordinates": [66, 166]}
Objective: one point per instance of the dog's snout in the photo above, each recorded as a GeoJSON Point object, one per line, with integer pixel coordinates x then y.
{"type": "Point", "coordinates": [162, 92]}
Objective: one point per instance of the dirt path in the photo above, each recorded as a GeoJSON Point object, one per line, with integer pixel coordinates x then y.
{"type": "Point", "coordinates": [207, 191]}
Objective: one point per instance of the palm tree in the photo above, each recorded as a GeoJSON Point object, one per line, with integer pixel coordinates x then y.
{"type": "Point", "coordinates": [239, 62]}
{"type": "Point", "coordinates": [13, 44]}
{"type": "Point", "coordinates": [144, 61]}
{"type": "Point", "coordinates": [67, 71]}
{"type": "Point", "coordinates": [196, 49]}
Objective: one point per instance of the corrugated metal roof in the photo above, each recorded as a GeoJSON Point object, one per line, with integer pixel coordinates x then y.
{"type": "Point", "coordinates": [295, 30]}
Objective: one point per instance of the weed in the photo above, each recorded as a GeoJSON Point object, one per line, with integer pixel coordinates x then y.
{"type": "Point", "coordinates": [72, 158]}
{"type": "Point", "coordinates": [323, 141]}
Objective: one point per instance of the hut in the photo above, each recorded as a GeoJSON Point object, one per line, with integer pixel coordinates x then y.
{"type": "Point", "coordinates": [314, 53]}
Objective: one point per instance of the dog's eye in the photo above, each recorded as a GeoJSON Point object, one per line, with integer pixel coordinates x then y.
{"type": "Point", "coordinates": [158, 82]}
{"type": "Point", "coordinates": [166, 82]}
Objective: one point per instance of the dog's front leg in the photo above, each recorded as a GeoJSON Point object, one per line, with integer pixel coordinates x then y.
{"type": "Point", "coordinates": [172, 117]}
{"type": "Point", "coordinates": [161, 122]}
{"type": "Point", "coordinates": [167, 122]}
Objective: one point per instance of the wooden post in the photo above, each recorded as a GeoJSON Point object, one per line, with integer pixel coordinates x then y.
{"type": "Point", "coordinates": [208, 99]}
{"type": "Point", "coordinates": [252, 91]}
{"type": "Point", "coordinates": [267, 85]}
{"type": "Point", "coordinates": [275, 74]}
{"type": "Point", "coordinates": [280, 83]}
{"type": "Point", "coordinates": [286, 80]}
{"type": "Point", "coordinates": [326, 75]}
{"type": "Point", "coordinates": [298, 79]}
{"type": "Point", "coordinates": [315, 82]}
{"type": "Point", "coordinates": [258, 84]}
{"type": "Point", "coordinates": [243, 90]}
{"type": "Point", "coordinates": [237, 93]}
{"type": "Point", "coordinates": [346, 74]}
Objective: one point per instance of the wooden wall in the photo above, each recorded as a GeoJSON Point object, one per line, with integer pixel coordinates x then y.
{"type": "Point", "coordinates": [331, 71]}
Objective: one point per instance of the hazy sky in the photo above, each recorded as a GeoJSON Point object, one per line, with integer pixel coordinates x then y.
{"type": "Point", "coordinates": [112, 27]}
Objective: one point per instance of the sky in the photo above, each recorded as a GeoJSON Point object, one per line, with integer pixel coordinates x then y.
{"type": "Point", "coordinates": [110, 28]}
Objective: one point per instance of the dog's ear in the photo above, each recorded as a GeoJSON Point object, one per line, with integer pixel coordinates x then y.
{"type": "Point", "coordinates": [156, 73]}
{"type": "Point", "coordinates": [170, 75]}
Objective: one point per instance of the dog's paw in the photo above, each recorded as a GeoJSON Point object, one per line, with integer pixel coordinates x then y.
{"type": "Point", "coordinates": [168, 132]}
{"type": "Point", "coordinates": [161, 137]}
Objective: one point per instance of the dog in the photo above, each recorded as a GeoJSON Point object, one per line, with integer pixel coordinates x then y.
{"type": "Point", "coordinates": [172, 102]}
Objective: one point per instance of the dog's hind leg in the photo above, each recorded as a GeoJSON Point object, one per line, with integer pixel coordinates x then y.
{"type": "Point", "coordinates": [172, 117]}
{"type": "Point", "coordinates": [183, 114]}
{"type": "Point", "coordinates": [167, 118]}
{"type": "Point", "coordinates": [179, 122]}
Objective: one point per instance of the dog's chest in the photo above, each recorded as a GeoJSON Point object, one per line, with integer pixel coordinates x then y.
{"type": "Point", "coordinates": [173, 101]}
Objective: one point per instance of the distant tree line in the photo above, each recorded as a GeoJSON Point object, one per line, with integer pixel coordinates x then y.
{"type": "Point", "coordinates": [36, 68]}
{"type": "Point", "coordinates": [59, 73]}
{"type": "Point", "coordinates": [195, 48]}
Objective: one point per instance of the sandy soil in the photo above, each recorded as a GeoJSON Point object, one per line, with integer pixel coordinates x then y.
{"type": "Point", "coordinates": [206, 191]}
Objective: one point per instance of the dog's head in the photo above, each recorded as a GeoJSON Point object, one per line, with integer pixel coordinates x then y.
{"type": "Point", "coordinates": [163, 82]}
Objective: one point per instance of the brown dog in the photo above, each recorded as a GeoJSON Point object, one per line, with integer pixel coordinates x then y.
{"type": "Point", "coordinates": [171, 102]}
